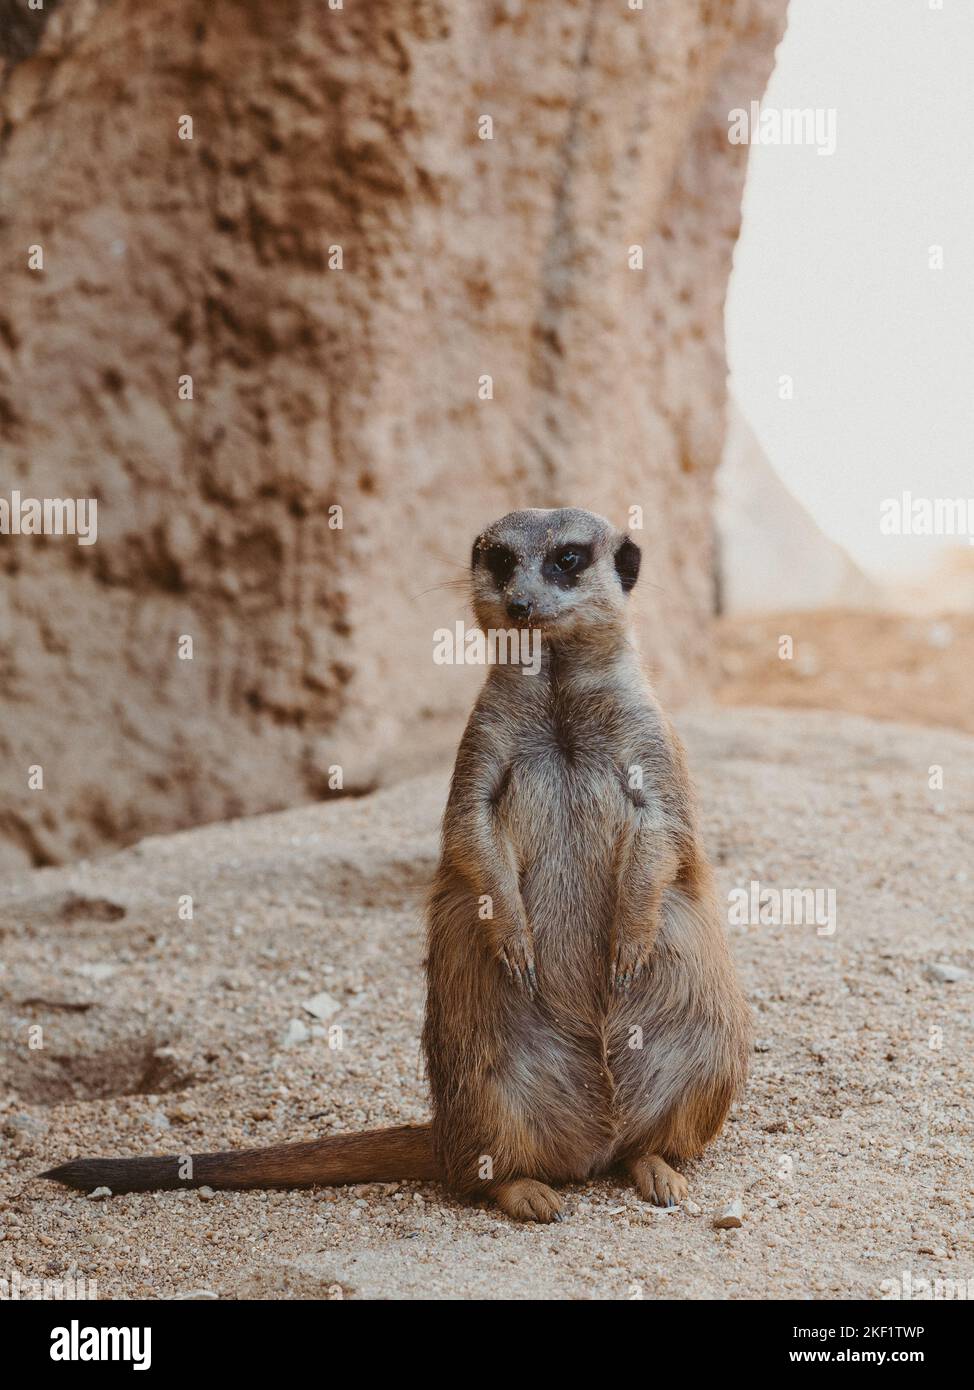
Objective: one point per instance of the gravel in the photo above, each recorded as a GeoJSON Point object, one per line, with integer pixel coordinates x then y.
{"type": "Point", "coordinates": [850, 1148]}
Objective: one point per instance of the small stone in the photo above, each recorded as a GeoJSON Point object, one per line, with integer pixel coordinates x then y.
{"type": "Point", "coordinates": [205, 1194]}
{"type": "Point", "coordinates": [945, 973]}
{"type": "Point", "coordinates": [99, 1193]}
{"type": "Point", "coordinates": [297, 1032]}
{"type": "Point", "coordinates": [731, 1216]}
{"type": "Point", "coordinates": [321, 1006]}
{"type": "Point", "coordinates": [180, 1114]}
{"type": "Point", "coordinates": [691, 1207]}
{"type": "Point", "coordinates": [23, 1126]}
{"type": "Point", "coordinates": [762, 1044]}
{"type": "Point", "coordinates": [96, 970]}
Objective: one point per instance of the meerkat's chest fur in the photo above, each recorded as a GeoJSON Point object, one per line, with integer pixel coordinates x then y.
{"type": "Point", "coordinates": [571, 788]}
{"type": "Point", "coordinates": [576, 753]}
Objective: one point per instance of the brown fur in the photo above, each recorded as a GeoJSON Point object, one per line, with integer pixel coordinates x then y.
{"type": "Point", "coordinates": [583, 1011]}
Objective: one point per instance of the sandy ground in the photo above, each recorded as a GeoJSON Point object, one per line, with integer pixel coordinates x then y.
{"type": "Point", "coordinates": [886, 665]}
{"type": "Point", "coordinates": [850, 1148]}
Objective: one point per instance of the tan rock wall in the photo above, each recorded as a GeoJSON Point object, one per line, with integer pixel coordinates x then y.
{"type": "Point", "coordinates": [313, 386]}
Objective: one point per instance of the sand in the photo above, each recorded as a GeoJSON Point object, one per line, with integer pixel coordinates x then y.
{"type": "Point", "coordinates": [850, 1149]}
{"type": "Point", "coordinates": [908, 667]}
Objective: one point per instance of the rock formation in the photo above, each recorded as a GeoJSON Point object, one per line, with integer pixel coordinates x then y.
{"type": "Point", "coordinates": [299, 309]}
{"type": "Point", "coordinates": [773, 555]}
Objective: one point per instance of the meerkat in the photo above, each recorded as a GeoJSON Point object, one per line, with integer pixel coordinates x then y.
{"type": "Point", "coordinates": [583, 1013]}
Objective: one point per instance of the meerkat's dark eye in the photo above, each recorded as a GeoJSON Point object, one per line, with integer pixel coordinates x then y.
{"type": "Point", "coordinates": [568, 561]}
{"type": "Point", "coordinates": [500, 562]}
{"type": "Point", "coordinates": [564, 565]}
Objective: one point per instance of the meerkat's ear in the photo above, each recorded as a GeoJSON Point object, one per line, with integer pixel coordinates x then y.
{"type": "Point", "coordinates": [628, 556]}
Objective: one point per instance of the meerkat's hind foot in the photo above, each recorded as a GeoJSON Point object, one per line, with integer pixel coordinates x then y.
{"type": "Point", "coordinates": [657, 1182]}
{"type": "Point", "coordinates": [525, 1199]}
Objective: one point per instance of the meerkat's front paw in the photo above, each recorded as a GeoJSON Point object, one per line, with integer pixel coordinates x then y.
{"type": "Point", "coordinates": [628, 962]}
{"type": "Point", "coordinates": [657, 1182]}
{"type": "Point", "coordinates": [517, 958]}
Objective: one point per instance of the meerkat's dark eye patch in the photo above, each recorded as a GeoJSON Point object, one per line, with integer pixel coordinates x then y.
{"type": "Point", "coordinates": [500, 562]}
{"type": "Point", "coordinates": [628, 558]}
{"type": "Point", "coordinates": [565, 563]}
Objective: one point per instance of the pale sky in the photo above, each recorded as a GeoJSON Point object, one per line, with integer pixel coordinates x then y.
{"type": "Point", "coordinates": [831, 282]}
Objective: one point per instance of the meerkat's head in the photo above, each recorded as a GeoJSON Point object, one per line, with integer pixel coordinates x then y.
{"type": "Point", "coordinates": [563, 571]}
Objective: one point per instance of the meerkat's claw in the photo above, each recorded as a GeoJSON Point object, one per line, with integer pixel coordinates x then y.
{"type": "Point", "coordinates": [519, 965]}
{"type": "Point", "coordinates": [626, 970]}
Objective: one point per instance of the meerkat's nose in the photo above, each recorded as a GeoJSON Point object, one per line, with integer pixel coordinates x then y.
{"type": "Point", "coordinates": [520, 608]}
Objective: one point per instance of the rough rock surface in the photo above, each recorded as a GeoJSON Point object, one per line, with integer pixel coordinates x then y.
{"type": "Point", "coordinates": [850, 1148]}
{"type": "Point", "coordinates": [358, 129]}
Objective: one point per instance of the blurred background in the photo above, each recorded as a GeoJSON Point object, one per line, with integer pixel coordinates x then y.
{"type": "Point", "coordinates": [850, 344]}
{"type": "Point", "coordinates": [325, 290]}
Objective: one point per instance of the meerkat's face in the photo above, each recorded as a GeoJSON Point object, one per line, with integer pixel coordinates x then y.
{"type": "Point", "coordinates": [562, 571]}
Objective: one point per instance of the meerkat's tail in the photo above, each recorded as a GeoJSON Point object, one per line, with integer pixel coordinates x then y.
{"type": "Point", "coordinates": [378, 1155]}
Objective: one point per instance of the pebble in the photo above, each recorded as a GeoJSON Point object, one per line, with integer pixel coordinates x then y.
{"type": "Point", "coordinates": [23, 1125]}
{"type": "Point", "coordinates": [731, 1216]}
{"type": "Point", "coordinates": [96, 970]}
{"type": "Point", "coordinates": [205, 1194]}
{"type": "Point", "coordinates": [297, 1032]}
{"type": "Point", "coordinates": [321, 1006]}
{"type": "Point", "coordinates": [180, 1114]}
{"type": "Point", "coordinates": [945, 973]}
{"type": "Point", "coordinates": [98, 1193]}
